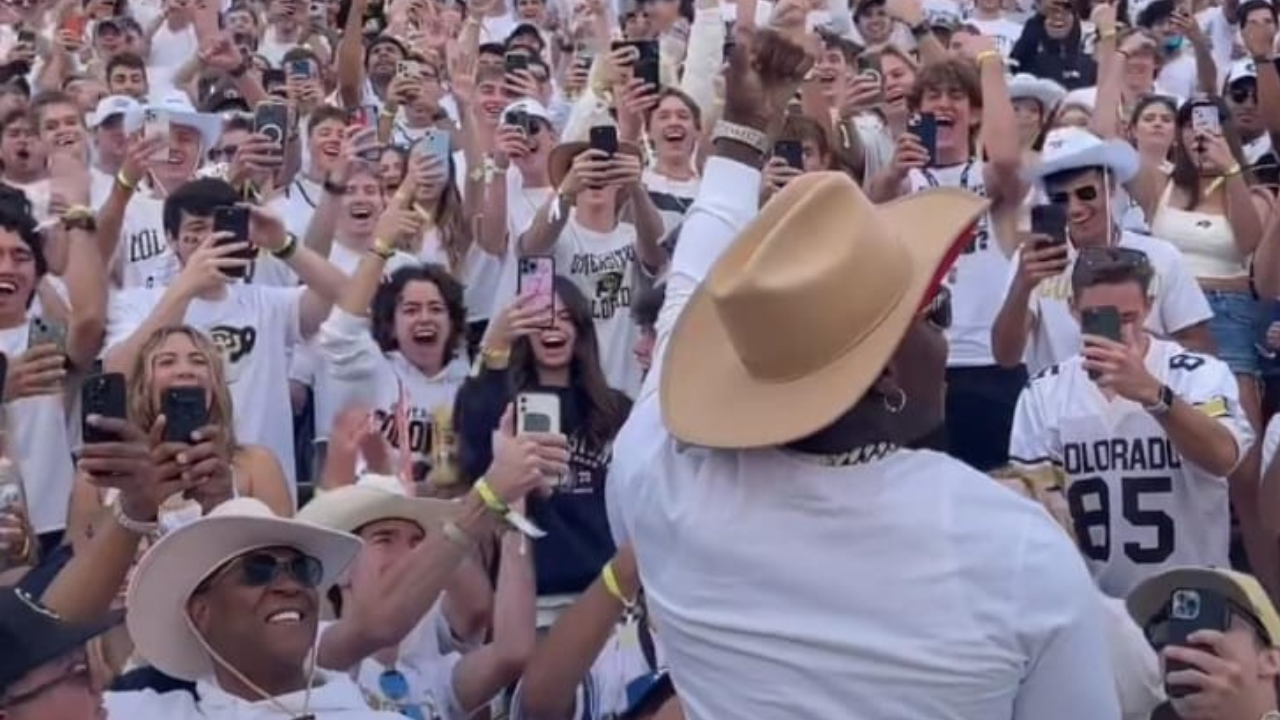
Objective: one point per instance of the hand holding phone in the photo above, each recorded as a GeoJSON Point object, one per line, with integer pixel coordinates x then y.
{"type": "Point", "coordinates": [536, 280]}
{"type": "Point", "coordinates": [1206, 119]}
{"type": "Point", "coordinates": [1102, 321]}
{"type": "Point", "coordinates": [537, 412]}
{"type": "Point", "coordinates": [1049, 222]}
{"type": "Point", "coordinates": [103, 395]}
{"type": "Point", "coordinates": [155, 127]}
{"type": "Point", "coordinates": [234, 220]}
{"type": "Point", "coordinates": [925, 127]}
{"type": "Point", "coordinates": [1191, 611]}
{"type": "Point", "coordinates": [185, 411]}
{"type": "Point", "coordinates": [271, 120]}
{"type": "Point", "coordinates": [791, 152]}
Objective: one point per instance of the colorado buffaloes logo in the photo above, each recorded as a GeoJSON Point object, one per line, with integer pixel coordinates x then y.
{"type": "Point", "coordinates": [609, 285]}
{"type": "Point", "coordinates": [235, 343]}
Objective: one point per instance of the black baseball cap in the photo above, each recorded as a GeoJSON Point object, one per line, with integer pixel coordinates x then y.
{"type": "Point", "coordinates": [32, 634]}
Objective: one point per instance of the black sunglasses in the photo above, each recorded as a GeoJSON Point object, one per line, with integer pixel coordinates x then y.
{"type": "Point", "coordinates": [1085, 193]}
{"type": "Point", "coordinates": [1242, 92]}
{"type": "Point", "coordinates": [226, 152]}
{"type": "Point", "coordinates": [260, 569]}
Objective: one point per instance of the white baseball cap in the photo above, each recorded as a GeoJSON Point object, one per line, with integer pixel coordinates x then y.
{"type": "Point", "coordinates": [110, 106]}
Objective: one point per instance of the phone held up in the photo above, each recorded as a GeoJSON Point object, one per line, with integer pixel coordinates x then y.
{"type": "Point", "coordinates": [1103, 322]}
{"type": "Point", "coordinates": [43, 331]}
{"type": "Point", "coordinates": [536, 276]}
{"type": "Point", "coordinates": [1050, 222]}
{"type": "Point", "coordinates": [791, 152]}
{"type": "Point", "coordinates": [537, 412]}
{"type": "Point", "coordinates": [155, 126]}
{"type": "Point", "coordinates": [925, 127]}
{"type": "Point", "coordinates": [235, 221]}
{"type": "Point", "coordinates": [103, 395]}
{"type": "Point", "coordinates": [272, 120]}
{"type": "Point", "coordinates": [1189, 612]}
{"type": "Point", "coordinates": [185, 411]}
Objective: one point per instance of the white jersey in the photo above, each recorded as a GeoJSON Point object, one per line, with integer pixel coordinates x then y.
{"type": "Point", "coordinates": [977, 279]}
{"type": "Point", "coordinates": [1138, 507]}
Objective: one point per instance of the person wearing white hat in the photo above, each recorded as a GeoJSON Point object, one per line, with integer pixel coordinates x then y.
{"type": "Point", "coordinates": [1081, 173]}
{"type": "Point", "coordinates": [110, 143]}
{"type": "Point", "coordinates": [1034, 100]}
{"type": "Point", "coordinates": [1245, 95]}
{"type": "Point", "coordinates": [137, 251]}
{"type": "Point", "coordinates": [796, 561]}
{"type": "Point", "coordinates": [388, 633]}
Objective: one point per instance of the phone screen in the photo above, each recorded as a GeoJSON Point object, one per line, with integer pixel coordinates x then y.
{"type": "Point", "coordinates": [537, 278]}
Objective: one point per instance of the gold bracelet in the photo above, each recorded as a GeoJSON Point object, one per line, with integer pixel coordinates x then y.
{"type": "Point", "coordinates": [987, 55]}
{"type": "Point", "coordinates": [382, 249]}
{"type": "Point", "coordinates": [124, 182]}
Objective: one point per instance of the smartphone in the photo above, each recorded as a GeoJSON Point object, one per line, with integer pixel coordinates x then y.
{"type": "Point", "coordinates": [409, 68]}
{"type": "Point", "coordinates": [46, 332]}
{"type": "Point", "coordinates": [300, 68]}
{"type": "Point", "coordinates": [537, 412]}
{"type": "Point", "coordinates": [27, 37]}
{"type": "Point", "coordinates": [791, 151]}
{"type": "Point", "coordinates": [74, 24]}
{"type": "Point", "coordinates": [512, 62]}
{"type": "Point", "coordinates": [1050, 221]}
{"type": "Point", "coordinates": [520, 119]}
{"type": "Point", "coordinates": [271, 119]}
{"type": "Point", "coordinates": [1191, 611]}
{"type": "Point", "coordinates": [272, 78]}
{"type": "Point", "coordinates": [925, 127]}
{"type": "Point", "coordinates": [1102, 321]}
{"type": "Point", "coordinates": [870, 67]}
{"type": "Point", "coordinates": [647, 70]}
{"type": "Point", "coordinates": [1206, 118]}
{"type": "Point", "coordinates": [234, 220]}
{"type": "Point", "coordinates": [436, 144]}
{"type": "Point", "coordinates": [185, 411]}
{"type": "Point", "coordinates": [536, 274]}
{"type": "Point", "coordinates": [604, 138]}
{"type": "Point", "coordinates": [155, 124]}
{"type": "Point", "coordinates": [103, 395]}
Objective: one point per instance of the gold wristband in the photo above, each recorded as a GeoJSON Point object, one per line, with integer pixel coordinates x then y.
{"type": "Point", "coordinates": [495, 359]}
{"type": "Point", "coordinates": [125, 183]}
{"type": "Point", "coordinates": [987, 55]}
{"type": "Point", "coordinates": [382, 249]}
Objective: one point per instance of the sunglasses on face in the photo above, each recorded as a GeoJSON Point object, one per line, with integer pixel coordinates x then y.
{"type": "Point", "coordinates": [1086, 193]}
{"type": "Point", "coordinates": [224, 153]}
{"type": "Point", "coordinates": [937, 312]}
{"type": "Point", "coordinates": [1242, 92]}
{"type": "Point", "coordinates": [262, 569]}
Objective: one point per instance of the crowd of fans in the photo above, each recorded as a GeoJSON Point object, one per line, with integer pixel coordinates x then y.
{"type": "Point", "coordinates": [574, 360]}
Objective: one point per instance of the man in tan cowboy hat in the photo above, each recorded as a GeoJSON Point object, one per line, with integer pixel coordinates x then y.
{"type": "Point", "coordinates": [799, 564]}
{"type": "Point", "coordinates": [231, 601]}
{"type": "Point", "coordinates": [389, 633]}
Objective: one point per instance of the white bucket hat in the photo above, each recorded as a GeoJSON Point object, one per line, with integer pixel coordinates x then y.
{"type": "Point", "coordinates": [373, 498]}
{"type": "Point", "coordinates": [1073, 148]}
{"type": "Point", "coordinates": [181, 112]}
{"type": "Point", "coordinates": [1044, 91]}
{"type": "Point", "coordinates": [175, 566]}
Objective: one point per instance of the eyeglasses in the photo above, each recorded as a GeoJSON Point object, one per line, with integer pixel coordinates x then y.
{"type": "Point", "coordinates": [226, 152]}
{"type": "Point", "coordinates": [260, 569]}
{"type": "Point", "coordinates": [1084, 193]}
{"type": "Point", "coordinates": [77, 672]}
{"type": "Point", "coordinates": [1242, 92]}
{"type": "Point", "coordinates": [937, 312]}
{"type": "Point", "coordinates": [394, 686]}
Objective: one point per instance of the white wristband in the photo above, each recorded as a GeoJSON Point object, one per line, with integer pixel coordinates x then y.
{"type": "Point", "coordinates": [136, 527]}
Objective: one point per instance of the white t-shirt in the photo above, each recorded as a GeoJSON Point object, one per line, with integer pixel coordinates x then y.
{"type": "Point", "coordinates": [38, 441]}
{"type": "Point", "coordinates": [602, 694]}
{"type": "Point", "coordinates": [602, 265]}
{"type": "Point", "coordinates": [256, 328]}
{"type": "Point", "coordinates": [335, 697]}
{"type": "Point", "coordinates": [170, 50]}
{"type": "Point", "coordinates": [1177, 302]}
{"type": "Point", "coordinates": [143, 257]}
{"type": "Point", "coordinates": [671, 197]}
{"type": "Point", "coordinates": [1005, 31]}
{"type": "Point", "coordinates": [901, 598]}
{"type": "Point", "coordinates": [38, 195]}
{"type": "Point", "coordinates": [1140, 508]}
{"type": "Point", "coordinates": [976, 280]}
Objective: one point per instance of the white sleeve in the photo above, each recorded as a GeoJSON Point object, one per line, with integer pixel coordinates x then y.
{"type": "Point", "coordinates": [1033, 441]}
{"type": "Point", "coordinates": [1212, 389]}
{"type": "Point", "coordinates": [1139, 682]}
{"type": "Point", "coordinates": [1064, 630]}
{"type": "Point", "coordinates": [126, 311]}
{"type": "Point", "coordinates": [1182, 302]}
{"type": "Point", "coordinates": [282, 309]}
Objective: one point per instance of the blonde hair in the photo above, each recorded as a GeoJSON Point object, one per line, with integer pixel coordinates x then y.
{"type": "Point", "coordinates": [143, 411]}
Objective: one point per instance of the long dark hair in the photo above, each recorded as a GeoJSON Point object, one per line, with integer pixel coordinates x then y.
{"type": "Point", "coordinates": [1186, 174]}
{"type": "Point", "coordinates": [387, 298]}
{"type": "Point", "coordinates": [603, 408]}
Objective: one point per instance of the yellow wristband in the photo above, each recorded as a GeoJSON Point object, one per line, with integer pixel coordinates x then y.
{"type": "Point", "coordinates": [382, 249]}
{"type": "Point", "coordinates": [987, 55]}
{"type": "Point", "coordinates": [490, 498]}
{"type": "Point", "coordinates": [124, 182]}
{"type": "Point", "coordinates": [611, 584]}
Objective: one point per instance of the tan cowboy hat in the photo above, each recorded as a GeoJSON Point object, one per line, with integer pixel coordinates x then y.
{"type": "Point", "coordinates": [373, 498]}
{"type": "Point", "coordinates": [174, 567]}
{"type": "Point", "coordinates": [562, 156]}
{"type": "Point", "coordinates": [798, 318]}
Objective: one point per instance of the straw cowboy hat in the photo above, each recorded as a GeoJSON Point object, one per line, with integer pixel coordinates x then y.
{"type": "Point", "coordinates": [1044, 91]}
{"type": "Point", "coordinates": [562, 155]}
{"type": "Point", "coordinates": [374, 498]}
{"type": "Point", "coordinates": [175, 566]}
{"type": "Point", "coordinates": [798, 318]}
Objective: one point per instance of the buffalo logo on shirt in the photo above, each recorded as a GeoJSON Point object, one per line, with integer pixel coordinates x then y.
{"type": "Point", "coordinates": [235, 343]}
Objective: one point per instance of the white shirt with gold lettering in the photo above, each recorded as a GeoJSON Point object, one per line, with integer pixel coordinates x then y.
{"type": "Point", "coordinates": [1177, 303]}
{"type": "Point", "coordinates": [1139, 508]}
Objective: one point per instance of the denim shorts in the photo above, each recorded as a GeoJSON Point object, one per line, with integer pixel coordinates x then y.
{"type": "Point", "coordinates": [1235, 327]}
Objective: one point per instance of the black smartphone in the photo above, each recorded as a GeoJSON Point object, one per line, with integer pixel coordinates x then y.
{"type": "Point", "coordinates": [1051, 222]}
{"type": "Point", "coordinates": [271, 78]}
{"type": "Point", "coordinates": [1102, 321]}
{"type": "Point", "coordinates": [103, 395]}
{"type": "Point", "coordinates": [520, 119]}
{"type": "Point", "coordinates": [272, 120]}
{"type": "Point", "coordinates": [512, 62]}
{"type": "Point", "coordinates": [300, 68]}
{"type": "Point", "coordinates": [234, 220]}
{"type": "Point", "coordinates": [4, 372]}
{"type": "Point", "coordinates": [185, 411]}
{"type": "Point", "coordinates": [1189, 612]}
{"type": "Point", "coordinates": [604, 138]}
{"type": "Point", "coordinates": [925, 127]}
{"type": "Point", "coordinates": [27, 37]}
{"type": "Point", "coordinates": [869, 66]}
{"type": "Point", "coordinates": [791, 152]}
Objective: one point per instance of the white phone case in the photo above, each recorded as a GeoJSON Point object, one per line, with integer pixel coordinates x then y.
{"type": "Point", "coordinates": [537, 412]}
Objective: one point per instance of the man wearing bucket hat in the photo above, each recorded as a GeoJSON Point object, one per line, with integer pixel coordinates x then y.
{"type": "Point", "coordinates": [1229, 664]}
{"type": "Point", "coordinates": [1081, 174]}
{"type": "Point", "coordinates": [389, 632]}
{"type": "Point", "coordinates": [781, 532]}
{"type": "Point", "coordinates": [231, 601]}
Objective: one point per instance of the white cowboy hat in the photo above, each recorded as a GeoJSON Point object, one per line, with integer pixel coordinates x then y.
{"type": "Point", "coordinates": [373, 498]}
{"type": "Point", "coordinates": [798, 318]}
{"type": "Point", "coordinates": [1073, 148]}
{"type": "Point", "coordinates": [1044, 91]}
{"type": "Point", "coordinates": [174, 567]}
{"type": "Point", "coordinates": [178, 106]}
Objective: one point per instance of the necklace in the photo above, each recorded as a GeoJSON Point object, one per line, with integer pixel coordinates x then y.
{"type": "Point", "coordinates": [857, 456]}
